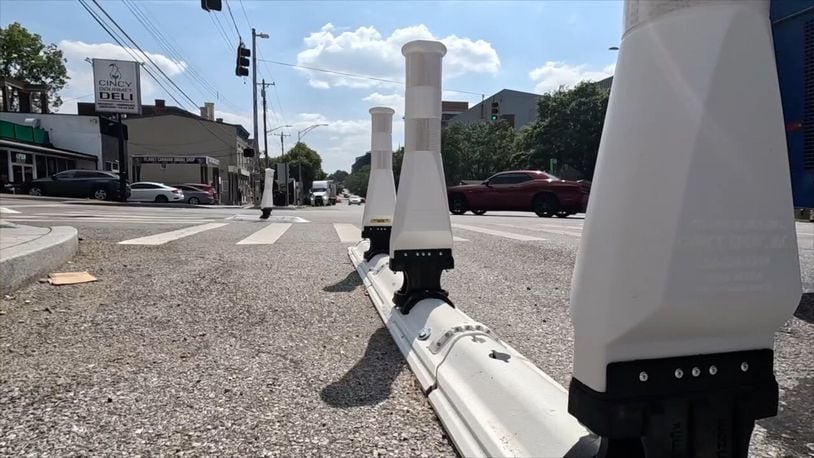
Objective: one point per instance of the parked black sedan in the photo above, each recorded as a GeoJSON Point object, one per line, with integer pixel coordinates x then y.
{"type": "Point", "coordinates": [95, 184]}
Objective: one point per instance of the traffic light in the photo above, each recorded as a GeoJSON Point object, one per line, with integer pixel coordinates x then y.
{"type": "Point", "coordinates": [212, 5]}
{"type": "Point", "coordinates": [248, 152]}
{"type": "Point", "coordinates": [495, 111]}
{"type": "Point", "coordinates": [243, 54]}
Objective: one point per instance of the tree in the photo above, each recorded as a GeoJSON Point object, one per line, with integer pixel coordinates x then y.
{"type": "Point", "coordinates": [23, 56]}
{"type": "Point", "coordinates": [357, 182]}
{"type": "Point", "coordinates": [476, 151]}
{"type": "Point", "coordinates": [300, 155]}
{"type": "Point", "coordinates": [338, 177]}
{"type": "Point", "coordinates": [398, 158]}
{"type": "Point", "coordinates": [568, 129]}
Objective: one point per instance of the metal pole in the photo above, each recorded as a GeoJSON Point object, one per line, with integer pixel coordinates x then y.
{"type": "Point", "coordinates": [122, 162]}
{"type": "Point", "coordinates": [302, 187]}
{"type": "Point", "coordinates": [265, 127]}
{"type": "Point", "coordinates": [256, 144]}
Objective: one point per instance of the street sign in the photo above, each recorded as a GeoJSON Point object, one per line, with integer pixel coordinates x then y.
{"type": "Point", "coordinates": [117, 86]}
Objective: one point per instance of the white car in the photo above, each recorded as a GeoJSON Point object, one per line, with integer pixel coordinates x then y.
{"type": "Point", "coordinates": [354, 200]}
{"type": "Point", "coordinates": [145, 191]}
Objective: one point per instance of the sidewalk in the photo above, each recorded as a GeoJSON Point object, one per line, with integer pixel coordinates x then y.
{"type": "Point", "coordinates": [28, 252]}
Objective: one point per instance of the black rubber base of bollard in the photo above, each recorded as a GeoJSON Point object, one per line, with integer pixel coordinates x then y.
{"type": "Point", "coordinates": [379, 237]}
{"type": "Point", "coordinates": [266, 212]}
{"type": "Point", "coordinates": [422, 276]}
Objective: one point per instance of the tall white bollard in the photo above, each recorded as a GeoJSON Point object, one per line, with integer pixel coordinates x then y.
{"type": "Point", "coordinates": [421, 240]}
{"type": "Point", "coordinates": [377, 219]}
{"type": "Point", "coordinates": [686, 266]}
{"type": "Point", "coordinates": [267, 202]}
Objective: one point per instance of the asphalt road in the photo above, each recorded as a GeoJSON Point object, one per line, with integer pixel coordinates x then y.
{"type": "Point", "coordinates": [201, 344]}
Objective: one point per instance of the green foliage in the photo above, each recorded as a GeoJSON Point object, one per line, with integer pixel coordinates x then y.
{"type": "Point", "coordinates": [338, 177]}
{"type": "Point", "coordinates": [310, 160]}
{"type": "Point", "coordinates": [476, 151]}
{"type": "Point", "coordinates": [568, 129]}
{"type": "Point", "coordinates": [23, 56]}
{"type": "Point", "coordinates": [357, 182]}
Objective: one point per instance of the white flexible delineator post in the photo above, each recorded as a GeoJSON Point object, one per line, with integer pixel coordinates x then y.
{"type": "Point", "coordinates": [377, 218]}
{"type": "Point", "coordinates": [267, 201]}
{"type": "Point", "coordinates": [422, 212]}
{"type": "Point", "coordinates": [686, 268]}
{"type": "Point", "coordinates": [491, 399]}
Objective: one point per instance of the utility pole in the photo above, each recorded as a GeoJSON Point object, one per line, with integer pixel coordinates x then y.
{"type": "Point", "coordinates": [256, 143]}
{"type": "Point", "coordinates": [265, 126]}
{"type": "Point", "coordinates": [285, 165]}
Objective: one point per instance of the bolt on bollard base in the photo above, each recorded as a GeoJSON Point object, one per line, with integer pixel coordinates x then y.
{"type": "Point", "coordinates": [379, 237]}
{"type": "Point", "coordinates": [702, 405]}
{"type": "Point", "coordinates": [422, 276]}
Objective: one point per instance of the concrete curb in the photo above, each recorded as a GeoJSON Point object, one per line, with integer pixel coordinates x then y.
{"type": "Point", "coordinates": [21, 263]}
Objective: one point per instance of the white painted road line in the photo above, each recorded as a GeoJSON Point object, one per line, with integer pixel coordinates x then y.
{"type": "Point", "coordinates": [508, 235]}
{"type": "Point", "coordinates": [164, 237]}
{"type": "Point", "coordinates": [45, 219]}
{"type": "Point", "coordinates": [545, 228]}
{"type": "Point", "coordinates": [348, 233]}
{"type": "Point", "coordinates": [267, 235]}
{"type": "Point", "coordinates": [459, 239]}
{"type": "Point", "coordinates": [7, 210]}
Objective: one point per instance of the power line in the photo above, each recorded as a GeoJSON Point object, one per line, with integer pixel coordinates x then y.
{"type": "Point", "coordinates": [118, 40]}
{"type": "Point", "coordinates": [223, 33]}
{"type": "Point", "coordinates": [166, 43]}
{"type": "Point", "coordinates": [248, 22]}
{"type": "Point", "coordinates": [217, 19]}
{"type": "Point", "coordinates": [229, 7]}
{"type": "Point", "coordinates": [145, 54]}
{"type": "Point", "coordinates": [353, 75]}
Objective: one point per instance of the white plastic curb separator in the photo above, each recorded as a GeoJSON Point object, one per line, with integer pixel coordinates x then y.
{"type": "Point", "coordinates": [490, 398]}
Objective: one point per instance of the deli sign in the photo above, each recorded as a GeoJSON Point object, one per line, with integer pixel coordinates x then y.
{"type": "Point", "coordinates": [117, 86]}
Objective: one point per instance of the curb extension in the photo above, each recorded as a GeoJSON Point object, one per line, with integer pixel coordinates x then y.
{"type": "Point", "coordinates": [36, 258]}
{"type": "Point", "coordinates": [490, 398]}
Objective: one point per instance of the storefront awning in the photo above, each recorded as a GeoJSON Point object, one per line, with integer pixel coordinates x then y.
{"type": "Point", "coordinates": [12, 145]}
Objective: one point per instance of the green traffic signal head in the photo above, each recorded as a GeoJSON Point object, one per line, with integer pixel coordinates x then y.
{"type": "Point", "coordinates": [494, 117]}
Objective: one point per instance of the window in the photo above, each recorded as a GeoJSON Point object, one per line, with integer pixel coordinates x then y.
{"type": "Point", "coordinates": [111, 166]}
{"type": "Point", "coordinates": [42, 170]}
{"type": "Point", "coordinates": [64, 175]}
{"type": "Point", "coordinates": [144, 186]}
{"type": "Point", "coordinates": [91, 174]}
{"type": "Point", "coordinates": [509, 178]}
{"type": "Point", "coordinates": [4, 166]}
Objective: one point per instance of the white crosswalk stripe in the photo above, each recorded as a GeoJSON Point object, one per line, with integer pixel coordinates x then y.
{"type": "Point", "coordinates": [508, 235]}
{"type": "Point", "coordinates": [348, 233]}
{"type": "Point", "coordinates": [267, 235]}
{"type": "Point", "coordinates": [164, 237]}
{"type": "Point", "coordinates": [459, 239]}
{"type": "Point", "coordinates": [550, 228]}
{"type": "Point", "coordinates": [7, 210]}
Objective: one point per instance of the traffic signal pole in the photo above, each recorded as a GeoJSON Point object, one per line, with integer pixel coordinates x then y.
{"type": "Point", "coordinates": [256, 143]}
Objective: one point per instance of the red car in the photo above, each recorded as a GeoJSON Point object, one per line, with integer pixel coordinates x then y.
{"type": "Point", "coordinates": [521, 190]}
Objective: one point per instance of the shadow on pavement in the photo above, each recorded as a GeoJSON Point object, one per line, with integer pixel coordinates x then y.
{"type": "Point", "coordinates": [347, 284]}
{"type": "Point", "coordinates": [369, 381]}
{"type": "Point", "coordinates": [794, 424]}
{"type": "Point", "coordinates": [805, 311]}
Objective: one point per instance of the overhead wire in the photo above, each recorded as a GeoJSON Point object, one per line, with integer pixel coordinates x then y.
{"type": "Point", "coordinates": [118, 40]}
{"type": "Point", "coordinates": [166, 43]}
{"type": "Point", "coordinates": [229, 7]}
{"type": "Point", "coordinates": [354, 75]}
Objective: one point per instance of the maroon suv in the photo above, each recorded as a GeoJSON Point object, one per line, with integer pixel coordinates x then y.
{"type": "Point", "coordinates": [521, 190]}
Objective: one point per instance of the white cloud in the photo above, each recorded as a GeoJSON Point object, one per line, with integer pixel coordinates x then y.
{"type": "Point", "coordinates": [554, 74]}
{"type": "Point", "coordinates": [81, 72]}
{"type": "Point", "coordinates": [394, 101]}
{"type": "Point", "coordinates": [365, 51]}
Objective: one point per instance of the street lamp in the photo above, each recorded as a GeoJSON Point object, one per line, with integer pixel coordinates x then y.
{"type": "Point", "coordinates": [302, 133]}
{"type": "Point", "coordinates": [280, 127]}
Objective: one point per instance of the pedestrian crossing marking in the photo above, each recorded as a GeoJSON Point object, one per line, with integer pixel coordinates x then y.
{"type": "Point", "coordinates": [459, 239]}
{"type": "Point", "coordinates": [255, 217]}
{"type": "Point", "coordinates": [550, 228]}
{"type": "Point", "coordinates": [7, 210]}
{"type": "Point", "coordinates": [267, 235]}
{"type": "Point", "coordinates": [508, 235]}
{"type": "Point", "coordinates": [348, 233]}
{"type": "Point", "coordinates": [164, 237]}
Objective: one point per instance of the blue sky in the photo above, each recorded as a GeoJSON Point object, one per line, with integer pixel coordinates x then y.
{"type": "Point", "coordinates": [528, 46]}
